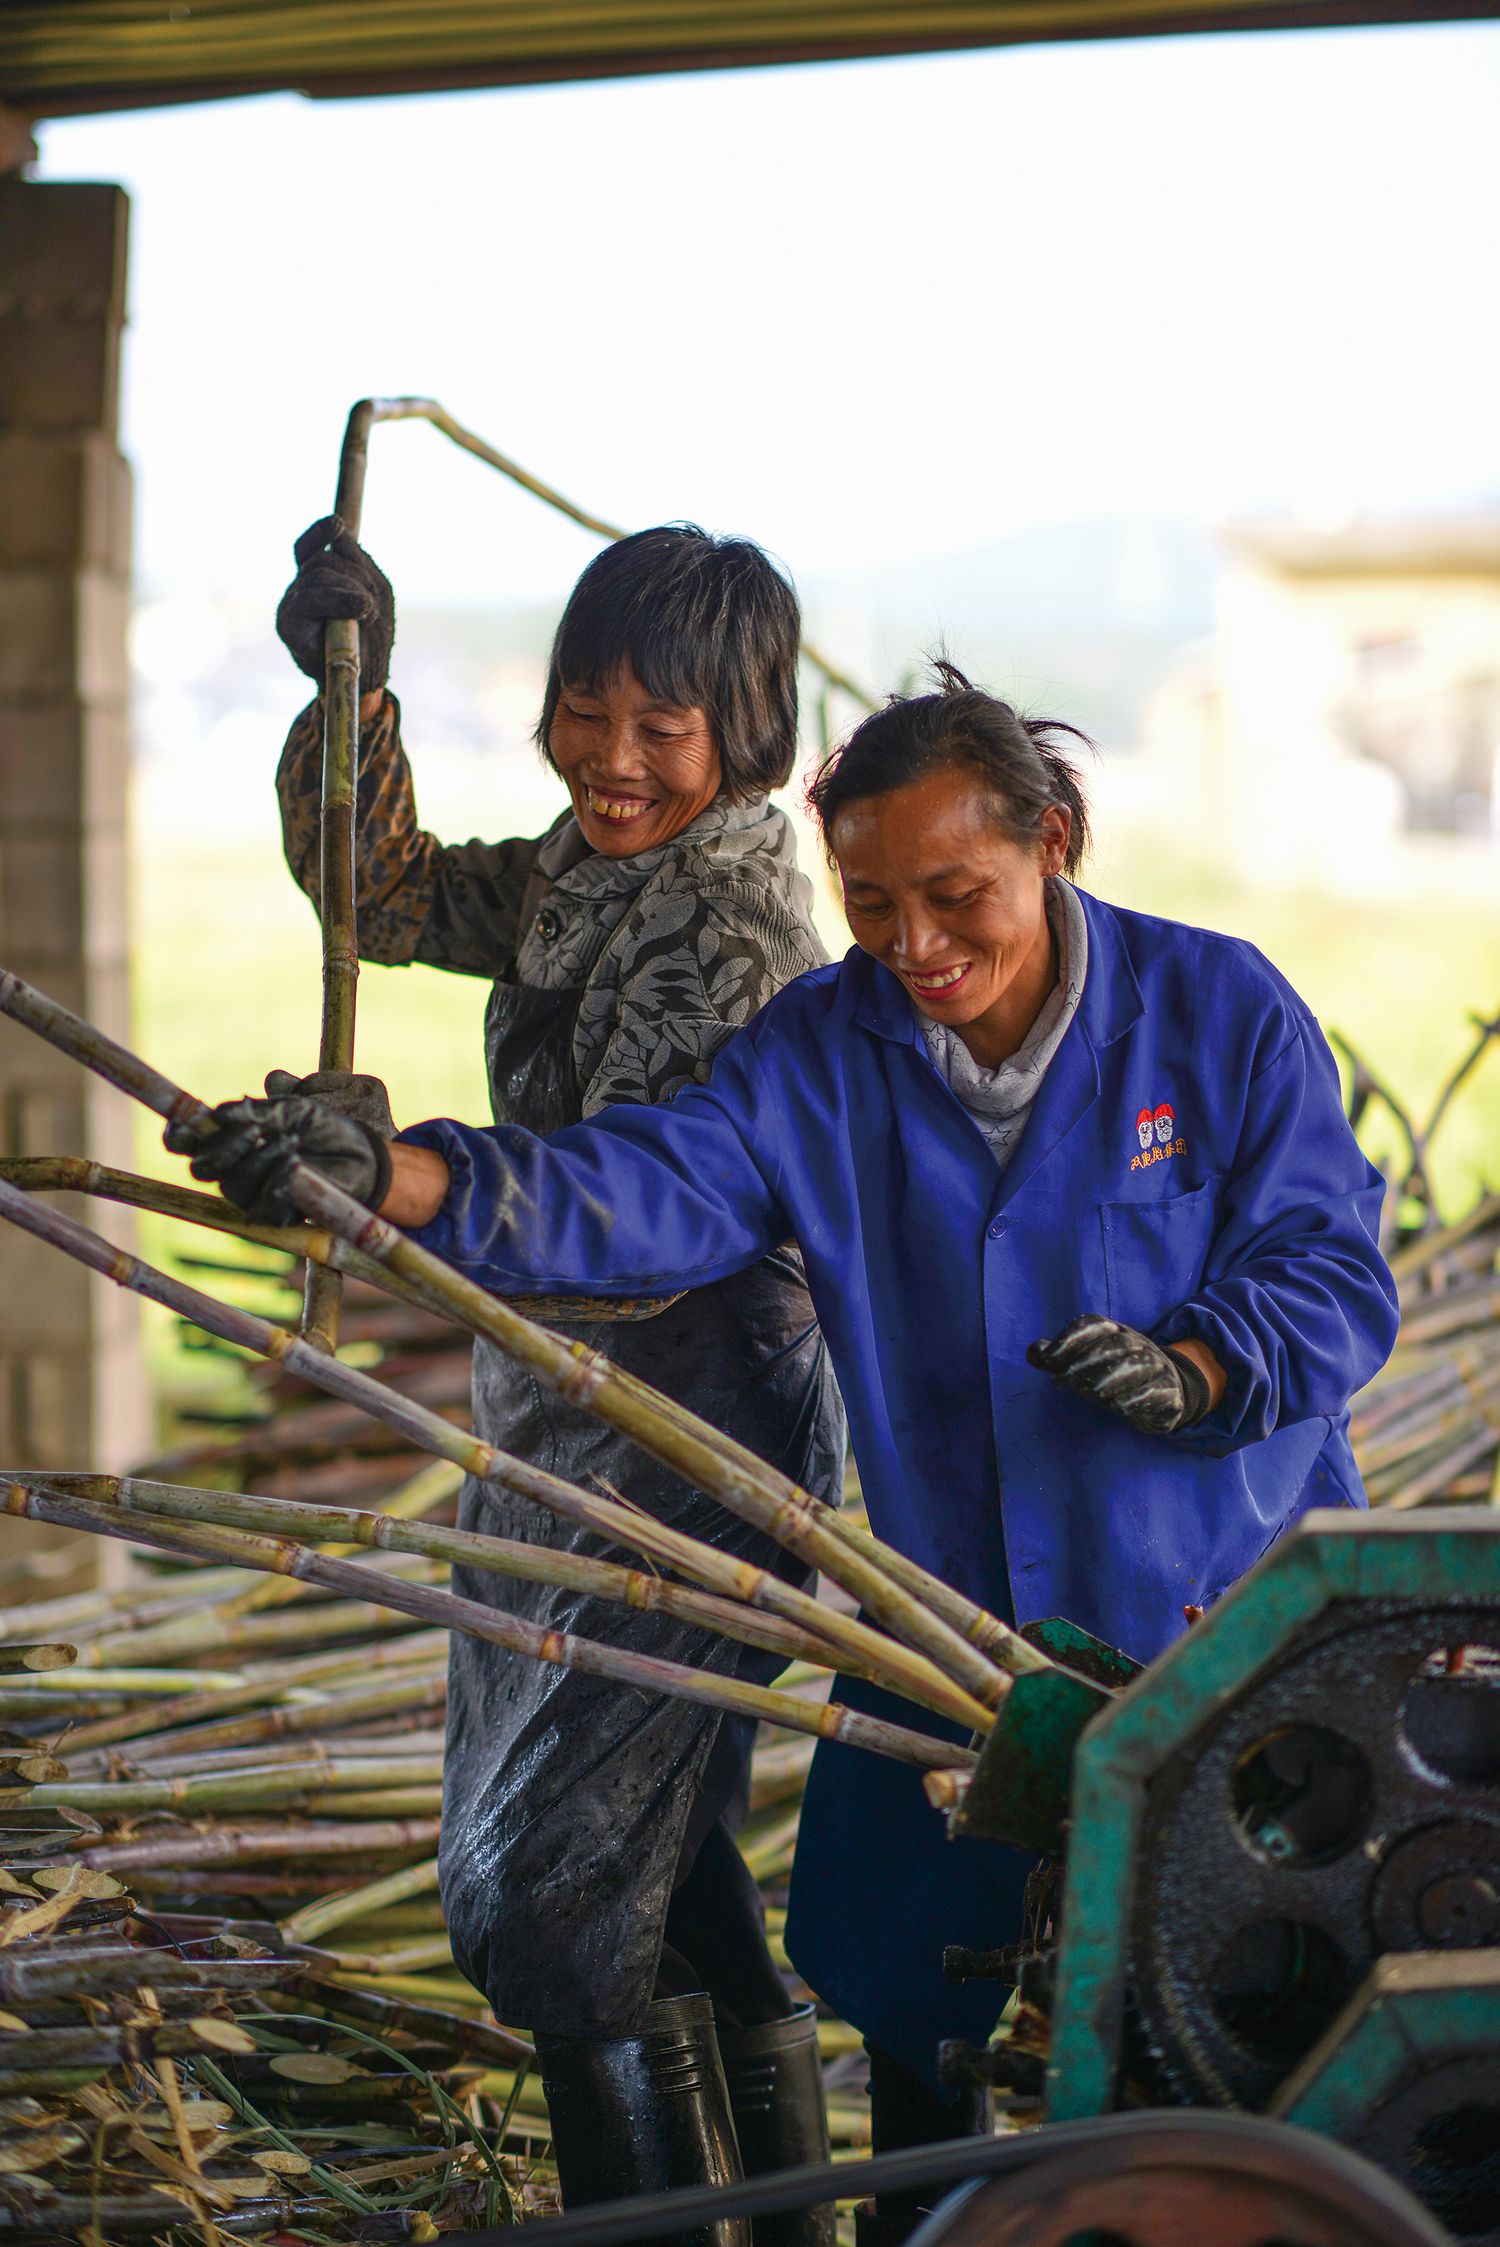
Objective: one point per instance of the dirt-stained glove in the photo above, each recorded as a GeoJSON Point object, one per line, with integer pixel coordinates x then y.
{"type": "Point", "coordinates": [1156, 1390]}
{"type": "Point", "coordinates": [257, 1141]}
{"type": "Point", "coordinates": [363, 1098]}
{"type": "Point", "coordinates": [336, 577]}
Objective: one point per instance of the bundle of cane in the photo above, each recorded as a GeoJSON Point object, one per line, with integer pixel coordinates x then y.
{"type": "Point", "coordinates": [172, 2072]}
{"type": "Point", "coordinates": [1427, 1430]}
{"type": "Point", "coordinates": [189, 1786]}
{"type": "Point", "coordinates": [924, 1639]}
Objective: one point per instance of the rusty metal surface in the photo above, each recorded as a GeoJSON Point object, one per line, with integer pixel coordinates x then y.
{"type": "Point", "coordinates": [1156, 2184]}
{"type": "Point", "coordinates": [1019, 1791]}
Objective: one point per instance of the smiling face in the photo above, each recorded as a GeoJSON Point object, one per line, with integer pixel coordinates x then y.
{"type": "Point", "coordinates": [639, 770]}
{"type": "Point", "coordinates": [938, 892]}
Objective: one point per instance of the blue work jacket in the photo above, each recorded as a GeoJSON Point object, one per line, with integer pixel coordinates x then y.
{"type": "Point", "coordinates": [1187, 1168]}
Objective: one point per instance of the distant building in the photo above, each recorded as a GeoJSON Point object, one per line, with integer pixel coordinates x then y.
{"type": "Point", "coordinates": [1349, 695]}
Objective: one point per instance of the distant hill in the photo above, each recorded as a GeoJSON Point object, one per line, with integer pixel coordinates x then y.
{"type": "Point", "coordinates": [1080, 619]}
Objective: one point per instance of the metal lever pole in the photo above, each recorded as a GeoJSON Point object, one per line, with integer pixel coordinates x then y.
{"type": "Point", "coordinates": [324, 1289]}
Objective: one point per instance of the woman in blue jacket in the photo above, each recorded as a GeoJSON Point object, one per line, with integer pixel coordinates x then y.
{"type": "Point", "coordinates": [1089, 1237]}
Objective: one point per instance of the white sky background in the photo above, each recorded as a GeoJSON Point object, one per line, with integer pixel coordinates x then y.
{"type": "Point", "coordinates": [862, 312]}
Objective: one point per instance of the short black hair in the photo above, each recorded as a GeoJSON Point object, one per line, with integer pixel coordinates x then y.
{"type": "Point", "coordinates": [706, 622]}
{"type": "Point", "coordinates": [1018, 758]}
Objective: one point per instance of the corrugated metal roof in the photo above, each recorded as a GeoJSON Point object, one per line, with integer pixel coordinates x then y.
{"type": "Point", "coordinates": [63, 56]}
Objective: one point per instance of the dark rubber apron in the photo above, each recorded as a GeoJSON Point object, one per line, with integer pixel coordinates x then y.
{"type": "Point", "coordinates": [572, 1807]}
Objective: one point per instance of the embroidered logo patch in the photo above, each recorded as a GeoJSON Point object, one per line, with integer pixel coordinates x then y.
{"type": "Point", "coordinates": [1156, 1132]}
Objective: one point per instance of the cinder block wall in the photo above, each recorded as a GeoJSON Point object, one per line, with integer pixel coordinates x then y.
{"type": "Point", "coordinates": [71, 1384]}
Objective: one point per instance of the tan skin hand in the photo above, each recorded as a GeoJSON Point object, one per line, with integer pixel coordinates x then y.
{"type": "Point", "coordinates": [938, 892]}
{"type": "Point", "coordinates": [1208, 1365]}
{"type": "Point", "coordinates": [419, 1186]}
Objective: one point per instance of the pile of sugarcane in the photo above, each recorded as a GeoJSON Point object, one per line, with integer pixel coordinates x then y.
{"type": "Point", "coordinates": [1427, 1430]}
{"type": "Point", "coordinates": [227, 1999]}
{"type": "Point", "coordinates": [217, 1908]}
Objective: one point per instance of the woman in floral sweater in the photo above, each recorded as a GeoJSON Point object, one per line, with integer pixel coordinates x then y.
{"type": "Point", "coordinates": [590, 1874]}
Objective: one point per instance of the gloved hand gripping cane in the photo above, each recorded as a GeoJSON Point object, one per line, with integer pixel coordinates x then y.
{"type": "Point", "coordinates": [345, 645]}
{"type": "Point", "coordinates": [971, 1649]}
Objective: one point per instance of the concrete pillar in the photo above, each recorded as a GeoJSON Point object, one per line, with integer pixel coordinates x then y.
{"type": "Point", "coordinates": [72, 1391]}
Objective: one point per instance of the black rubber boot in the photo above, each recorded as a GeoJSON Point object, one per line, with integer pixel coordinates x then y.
{"type": "Point", "coordinates": [904, 2113]}
{"type": "Point", "coordinates": [872, 2230]}
{"type": "Point", "coordinates": [775, 2082]}
{"type": "Point", "coordinates": [639, 2114]}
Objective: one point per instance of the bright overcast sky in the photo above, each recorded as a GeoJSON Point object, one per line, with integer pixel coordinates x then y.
{"type": "Point", "coordinates": [860, 311]}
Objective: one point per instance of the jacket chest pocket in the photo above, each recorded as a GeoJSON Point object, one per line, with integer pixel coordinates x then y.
{"type": "Point", "coordinates": [1155, 1253]}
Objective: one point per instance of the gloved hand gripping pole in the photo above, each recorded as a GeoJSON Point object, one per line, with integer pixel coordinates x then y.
{"type": "Point", "coordinates": [340, 789]}
{"type": "Point", "coordinates": [324, 1288]}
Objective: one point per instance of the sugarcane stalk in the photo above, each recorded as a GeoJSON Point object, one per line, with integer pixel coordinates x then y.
{"type": "Point", "coordinates": [312, 1669]}
{"type": "Point", "coordinates": [96, 1969]}
{"type": "Point", "coordinates": [424, 1988]}
{"type": "Point", "coordinates": [1463, 1242]}
{"type": "Point", "coordinates": [196, 1634]}
{"type": "Point", "coordinates": [538, 1564]}
{"type": "Point", "coordinates": [89, 1613]}
{"type": "Point", "coordinates": [1434, 1479]}
{"type": "Point", "coordinates": [756, 1493]}
{"type": "Point", "coordinates": [883, 1582]}
{"type": "Point", "coordinates": [904, 1671]}
{"type": "Point", "coordinates": [53, 1685]}
{"type": "Point", "coordinates": [1461, 1307]}
{"type": "Point", "coordinates": [416, 1918]}
{"type": "Point", "coordinates": [238, 1844]}
{"type": "Point", "coordinates": [475, 2040]}
{"type": "Point", "coordinates": [40, 1173]}
{"type": "Point", "coordinates": [336, 853]}
{"type": "Point", "coordinates": [235, 1790]}
{"type": "Point", "coordinates": [24, 1707]}
{"type": "Point", "coordinates": [36, 1657]}
{"type": "Point", "coordinates": [515, 1633]}
{"type": "Point", "coordinates": [287, 1725]}
{"type": "Point", "coordinates": [327, 1912]}
{"type": "Point", "coordinates": [101, 2047]}
{"type": "Point", "coordinates": [945, 1790]}
{"type": "Point", "coordinates": [405, 1743]}
{"type": "Point", "coordinates": [400, 1958]}
{"type": "Point", "coordinates": [51, 1174]}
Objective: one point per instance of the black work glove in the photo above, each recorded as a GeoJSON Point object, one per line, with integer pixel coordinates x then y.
{"type": "Point", "coordinates": [256, 1142]}
{"type": "Point", "coordinates": [1156, 1390]}
{"type": "Point", "coordinates": [363, 1098]}
{"type": "Point", "coordinates": [336, 577]}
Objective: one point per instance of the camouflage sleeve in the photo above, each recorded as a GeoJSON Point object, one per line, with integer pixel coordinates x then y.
{"type": "Point", "coordinates": [454, 906]}
{"type": "Point", "coordinates": [687, 971]}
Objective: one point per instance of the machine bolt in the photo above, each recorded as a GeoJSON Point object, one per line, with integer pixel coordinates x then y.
{"type": "Point", "coordinates": [1001, 2065]}
{"type": "Point", "coordinates": [1463, 1908]}
{"type": "Point", "coordinates": [962, 1965]}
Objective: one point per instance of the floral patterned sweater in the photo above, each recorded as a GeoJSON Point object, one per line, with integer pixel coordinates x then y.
{"type": "Point", "coordinates": [672, 949]}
